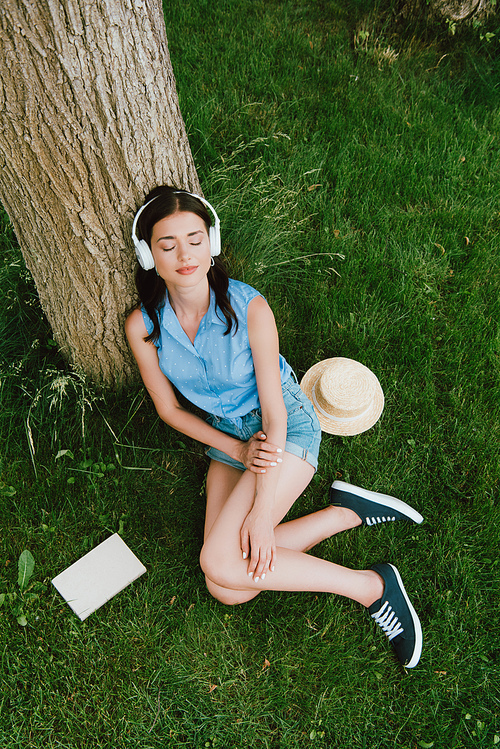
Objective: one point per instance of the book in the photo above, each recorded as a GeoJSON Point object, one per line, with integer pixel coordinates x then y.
{"type": "Point", "coordinates": [98, 576]}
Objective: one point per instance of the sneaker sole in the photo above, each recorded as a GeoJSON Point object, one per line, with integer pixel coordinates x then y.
{"type": "Point", "coordinates": [416, 622]}
{"type": "Point", "coordinates": [380, 499]}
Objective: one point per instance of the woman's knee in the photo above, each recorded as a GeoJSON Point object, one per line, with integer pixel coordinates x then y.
{"type": "Point", "coordinates": [213, 565]}
{"type": "Point", "coordinates": [219, 569]}
{"type": "Point", "coordinates": [227, 596]}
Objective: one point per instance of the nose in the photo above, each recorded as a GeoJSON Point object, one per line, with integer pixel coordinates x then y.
{"type": "Point", "coordinates": [183, 250]}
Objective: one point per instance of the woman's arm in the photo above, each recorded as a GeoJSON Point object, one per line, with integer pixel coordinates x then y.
{"type": "Point", "coordinates": [255, 454]}
{"type": "Point", "coordinates": [257, 533]}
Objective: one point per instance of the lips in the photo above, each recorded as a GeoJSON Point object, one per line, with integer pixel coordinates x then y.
{"type": "Point", "coordinates": [187, 270]}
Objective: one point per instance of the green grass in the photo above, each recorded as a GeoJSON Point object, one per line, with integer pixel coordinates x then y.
{"type": "Point", "coordinates": [359, 193]}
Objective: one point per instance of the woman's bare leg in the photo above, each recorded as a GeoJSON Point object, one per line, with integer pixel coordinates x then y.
{"type": "Point", "coordinates": [221, 556]}
{"type": "Point", "coordinates": [303, 533]}
{"type": "Point", "coordinates": [300, 534]}
{"type": "Point", "coordinates": [221, 481]}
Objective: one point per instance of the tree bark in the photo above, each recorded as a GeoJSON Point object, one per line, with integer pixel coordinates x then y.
{"type": "Point", "coordinates": [458, 10]}
{"type": "Point", "coordinates": [453, 10]}
{"type": "Point", "coordinates": [89, 122]}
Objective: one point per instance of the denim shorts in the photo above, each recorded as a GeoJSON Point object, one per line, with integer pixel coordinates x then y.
{"type": "Point", "coordinates": [303, 434]}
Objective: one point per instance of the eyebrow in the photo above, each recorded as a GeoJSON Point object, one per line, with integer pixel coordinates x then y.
{"type": "Point", "coordinates": [191, 234]}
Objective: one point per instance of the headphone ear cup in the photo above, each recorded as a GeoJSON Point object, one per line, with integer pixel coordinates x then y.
{"type": "Point", "coordinates": [214, 237]}
{"type": "Point", "coordinates": [144, 254]}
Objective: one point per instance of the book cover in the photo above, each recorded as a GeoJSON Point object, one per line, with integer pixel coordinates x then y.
{"type": "Point", "coordinates": [98, 576]}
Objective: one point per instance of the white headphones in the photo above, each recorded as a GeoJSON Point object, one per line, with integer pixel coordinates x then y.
{"type": "Point", "coordinates": [142, 249]}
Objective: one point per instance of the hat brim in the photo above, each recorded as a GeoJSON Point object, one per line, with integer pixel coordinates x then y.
{"type": "Point", "coordinates": [348, 427]}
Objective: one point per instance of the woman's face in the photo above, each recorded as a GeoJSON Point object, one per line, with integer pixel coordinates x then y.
{"type": "Point", "coordinates": [181, 249]}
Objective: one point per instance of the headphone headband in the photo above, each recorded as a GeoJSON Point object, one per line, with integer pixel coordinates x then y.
{"type": "Point", "coordinates": [142, 249]}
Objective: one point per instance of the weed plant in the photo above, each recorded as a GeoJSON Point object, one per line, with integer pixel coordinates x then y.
{"type": "Point", "coordinates": [355, 170]}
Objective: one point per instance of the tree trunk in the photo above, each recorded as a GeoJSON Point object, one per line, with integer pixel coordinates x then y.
{"type": "Point", "coordinates": [458, 10]}
{"type": "Point", "coordinates": [89, 122]}
{"type": "Point", "coordinates": [453, 10]}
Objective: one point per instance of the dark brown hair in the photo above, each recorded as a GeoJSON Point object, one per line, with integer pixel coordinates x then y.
{"type": "Point", "coordinates": [165, 201]}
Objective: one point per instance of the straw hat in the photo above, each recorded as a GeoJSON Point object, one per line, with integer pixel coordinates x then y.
{"type": "Point", "coordinates": [346, 395]}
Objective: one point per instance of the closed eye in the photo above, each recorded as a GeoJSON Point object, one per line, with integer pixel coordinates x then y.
{"type": "Point", "coordinates": [168, 249]}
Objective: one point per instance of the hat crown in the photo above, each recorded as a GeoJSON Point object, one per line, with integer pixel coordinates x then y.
{"type": "Point", "coordinates": [346, 395]}
{"type": "Point", "coordinates": [344, 391]}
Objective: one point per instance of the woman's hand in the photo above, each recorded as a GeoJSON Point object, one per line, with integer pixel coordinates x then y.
{"type": "Point", "coordinates": [257, 454]}
{"type": "Point", "coordinates": [257, 541]}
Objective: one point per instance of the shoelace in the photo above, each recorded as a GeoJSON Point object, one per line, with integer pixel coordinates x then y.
{"type": "Point", "coordinates": [375, 520]}
{"type": "Point", "coordinates": [387, 619]}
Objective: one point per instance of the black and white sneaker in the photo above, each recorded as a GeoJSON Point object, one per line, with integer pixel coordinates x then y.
{"type": "Point", "coordinates": [371, 507]}
{"type": "Point", "coordinates": [397, 617]}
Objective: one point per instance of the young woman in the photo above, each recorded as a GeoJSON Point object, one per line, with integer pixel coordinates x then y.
{"type": "Point", "coordinates": [215, 340]}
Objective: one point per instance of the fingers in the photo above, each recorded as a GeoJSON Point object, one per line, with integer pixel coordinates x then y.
{"type": "Point", "coordinates": [245, 543]}
{"type": "Point", "coordinates": [263, 454]}
{"type": "Point", "coordinates": [258, 542]}
{"type": "Point", "coordinates": [256, 469]}
{"type": "Point", "coordinates": [259, 466]}
{"type": "Point", "coordinates": [264, 446]}
{"type": "Point", "coordinates": [272, 563]}
{"type": "Point", "coordinates": [269, 459]}
{"type": "Point", "coordinates": [262, 562]}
